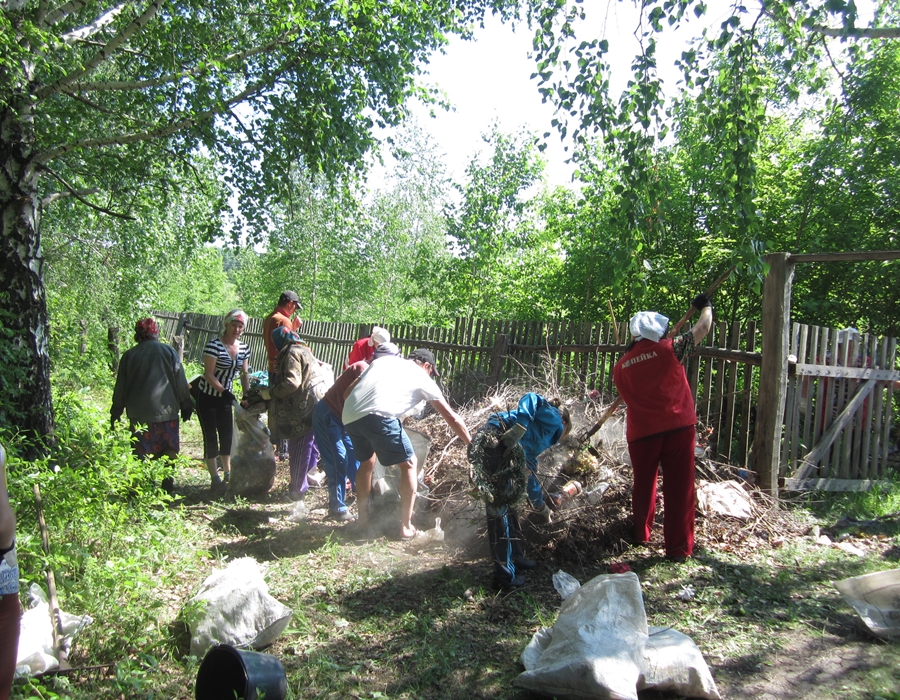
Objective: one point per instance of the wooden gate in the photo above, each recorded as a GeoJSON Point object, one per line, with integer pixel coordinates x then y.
{"type": "Point", "coordinates": [837, 418]}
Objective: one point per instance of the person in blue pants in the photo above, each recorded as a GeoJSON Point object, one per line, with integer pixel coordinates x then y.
{"type": "Point", "coordinates": [504, 455]}
{"type": "Point", "coordinates": [335, 447]}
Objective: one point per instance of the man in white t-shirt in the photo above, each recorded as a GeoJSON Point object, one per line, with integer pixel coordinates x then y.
{"type": "Point", "coordinates": [390, 387]}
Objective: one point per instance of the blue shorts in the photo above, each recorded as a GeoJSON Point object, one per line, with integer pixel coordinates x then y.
{"type": "Point", "coordinates": [384, 437]}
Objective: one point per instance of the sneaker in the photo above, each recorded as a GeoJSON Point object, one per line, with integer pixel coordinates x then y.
{"type": "Point", "coordinates": [517, 582]}
{"type": "Point", "coordinates": [341, 516]}
{"type": "Point", "coordinates": [226, 477]}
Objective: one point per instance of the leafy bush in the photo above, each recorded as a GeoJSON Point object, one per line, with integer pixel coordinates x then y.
{"type": "Point", "coordinates": [113, 536]}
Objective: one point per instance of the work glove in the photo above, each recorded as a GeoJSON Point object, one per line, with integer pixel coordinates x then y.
{"type": "Point", "coordinates": [229, 396]}
{"type": "Point", "coordinates": [511, 437]}
{"type": "Point", "coordinates": [544, 515]}
{"type": "Point", "coordinates": [701, 301]}
{"type": "Point", "coordinates": [186, 413]}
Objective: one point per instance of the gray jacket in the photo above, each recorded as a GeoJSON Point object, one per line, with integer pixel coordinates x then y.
{"type": "Point", "coordinates": [151, 385]}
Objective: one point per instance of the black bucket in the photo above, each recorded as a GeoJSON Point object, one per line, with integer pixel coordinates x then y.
{"type": "Point", "coordinates": [228, 673]}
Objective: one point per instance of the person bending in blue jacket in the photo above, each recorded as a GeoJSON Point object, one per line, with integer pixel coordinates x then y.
{"type": "Point", "coordinates": [504, 455]}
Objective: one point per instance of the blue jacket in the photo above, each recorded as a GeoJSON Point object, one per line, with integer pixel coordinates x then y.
{"type": "Point", "coordinates": [544, 427]}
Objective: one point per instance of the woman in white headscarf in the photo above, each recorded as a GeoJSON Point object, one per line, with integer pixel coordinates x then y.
{"type": "Point", "coordinates": [660, 424]}
{"type": "Point", "coordinates": [223, 358]}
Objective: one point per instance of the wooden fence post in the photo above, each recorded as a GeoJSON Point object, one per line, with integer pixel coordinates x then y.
{"type": "Point", "coordinates": [182, 322]}
{"type": "Point", "coordinates": [498, 357]}
{"type": "Point", "coordinates": [776, 313]}
{"type": "Point", "coordinates": [178, 344]}
{"type": "Point", "coordinates": [112, 345]}
{"type": "Point", "coordinates": [84, 335]}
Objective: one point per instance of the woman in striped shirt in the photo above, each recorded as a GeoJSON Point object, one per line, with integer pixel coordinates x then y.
{"type": "Point", "coordinates": [223, 358]}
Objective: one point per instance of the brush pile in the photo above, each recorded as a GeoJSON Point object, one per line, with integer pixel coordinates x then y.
{"type": "Point", "coordinates": [596, 524]}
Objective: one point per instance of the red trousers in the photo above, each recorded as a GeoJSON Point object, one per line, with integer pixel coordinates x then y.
{"type": "Point", "coordinates": [674, 452]}
{"type": "Point", "coordinates": [10, 613]}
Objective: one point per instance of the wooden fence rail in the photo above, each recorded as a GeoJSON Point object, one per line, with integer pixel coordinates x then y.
{"type": "Point", "coordinates": [476, 354]}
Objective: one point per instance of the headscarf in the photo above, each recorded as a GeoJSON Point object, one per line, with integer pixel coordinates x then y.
{"type": "Point", "coordinates": [379, 336]}
{"type": "Point", "coordinates": [649, 325]}
{"type": "Point", "coordinates": [385, 349]}
{"type": "Point", "coordinates": [146, 329]}
{"type": "Point", "coordinates": [231, 316]}
{"type": "Point", "coordinates": [282, 336]}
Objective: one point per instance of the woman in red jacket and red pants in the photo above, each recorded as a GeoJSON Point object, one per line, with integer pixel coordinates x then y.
{"type": "Point", "coordinates": [660, 424]}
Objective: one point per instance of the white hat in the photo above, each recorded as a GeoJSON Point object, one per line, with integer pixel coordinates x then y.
{"type": "Point", "coordinates": [649, 325]}
{"type": "Point", "coordinates": [379, 336]}
{"type": "Point", "coordinates": [847, 334]}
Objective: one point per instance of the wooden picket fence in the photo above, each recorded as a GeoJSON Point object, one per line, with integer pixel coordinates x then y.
{"type": "Point", "coordinates": [573, 358]}
{"type": "Point", "coordinates": [838, 409]}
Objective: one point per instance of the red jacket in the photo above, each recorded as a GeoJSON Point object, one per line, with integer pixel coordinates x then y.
{"type": "Point", "coordinates": [651, 381]}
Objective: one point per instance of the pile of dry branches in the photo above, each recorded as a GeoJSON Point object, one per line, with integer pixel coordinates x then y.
{"type": "Point", "coordinates": [601, 525]}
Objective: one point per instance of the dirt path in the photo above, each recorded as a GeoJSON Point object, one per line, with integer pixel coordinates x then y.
{"type": "Point", "coordinates": [830, 658]}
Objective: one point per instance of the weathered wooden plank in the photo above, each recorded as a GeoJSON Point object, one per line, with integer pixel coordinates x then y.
{"type": "Point", "coordinates": [809, 461]}
{"type": "Point", "coordinates": [729, 399]}
{"type": "Point", "coordinates": [885, 437]}
{"type": "Point", "coordinates": [809, 385]}
{"type": "Point", "coordinates": [832, 484]}
{"type": "Point", "coordinates": [745, 433]}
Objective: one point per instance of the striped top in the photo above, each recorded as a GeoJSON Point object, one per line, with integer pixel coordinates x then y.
{"type": "Point", "coordinates": [226, 368]}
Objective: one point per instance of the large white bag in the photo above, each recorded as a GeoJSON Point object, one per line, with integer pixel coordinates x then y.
{"type": "Point", "coordinates": [233, 606]}
{"type": "Point", "coordinates": [601, 647]}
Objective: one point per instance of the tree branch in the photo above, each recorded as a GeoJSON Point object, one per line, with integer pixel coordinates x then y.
{"type": "Point", "coordinates": [859, 33]}
{"type": "Point", "coordinates": [168, 130]}
{"type": "Point", "coordinates": [78, 195]}
{"type": "Point", "coordinates": [51, 198]}
{"type": "Point", "coordinates": [61, 12]}
{"type": "Point", "coordinates": [112, 46]}
{"type": "Point", "coordinates": [124, 85]}
{"type": "Point", "coordinates": [90, 29]}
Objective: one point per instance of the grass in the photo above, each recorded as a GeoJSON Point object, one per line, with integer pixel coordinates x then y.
{"type": "Point", "coordinates": [373, 620]}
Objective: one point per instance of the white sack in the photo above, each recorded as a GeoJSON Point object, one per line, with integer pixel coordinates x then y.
{"type": "Point", "coordinates": [233, 606]}
{"type": "Point", "coordinates": [35, 654]}
{"type": "Point", "coordinates": [876, 598]}
{"type": "Point", "coordinates": [725, 498]}
{"type": "Point", "coordinates": [601, 647]}
{"type": "Point", "coordinates": [673, 663]}
{"type": "Point", "coordinates": [596, 645]}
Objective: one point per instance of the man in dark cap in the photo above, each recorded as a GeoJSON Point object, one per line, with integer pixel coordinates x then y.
{"type": "Point", "coordinates": [389, 388]}
{"type": "Point", "coordinates": [288, 305]}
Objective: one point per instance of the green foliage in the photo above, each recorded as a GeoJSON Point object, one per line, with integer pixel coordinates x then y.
{"type": "Point", "coordinates": [112, 534]}
{"type": "Point", "coordinates": [14, 359]}
{"type": "Point", "coordinates": [494, 232]}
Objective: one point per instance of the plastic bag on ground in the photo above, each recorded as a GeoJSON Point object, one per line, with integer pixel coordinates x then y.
{"type": "Point", "coordinates": [253, 457]}
{"type": "Point", "coordinates": [596, 645]}
{"type": "Point", "coordinates": [673, 663]}
{"type": "Point", "coordinates": [876, 598]}
{"type": "Point", "coordinates": [565, 584]}
{"type": "Point", "coordinates": [602, 647]}
{"type": "Point", "coordinates": [36, 653]}
{"type": "Point", "coordinates": [233, 606]}
{"type": "Point", "coordinates": [725, 498]}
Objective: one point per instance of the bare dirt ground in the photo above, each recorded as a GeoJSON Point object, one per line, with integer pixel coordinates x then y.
{"type": "Point", "coordinates": [831, 656]}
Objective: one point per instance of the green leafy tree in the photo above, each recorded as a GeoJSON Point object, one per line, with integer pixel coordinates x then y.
{"type": "Point", "coordinates": [493, 222]}
{"type": "Point", "coordinates": [731, 72]}
{"type": "Point", "coordinates": [97, 99]}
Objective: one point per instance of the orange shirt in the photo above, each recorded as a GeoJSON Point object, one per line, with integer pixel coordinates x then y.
{"type": "Point", "coordinates": [276, 319]}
